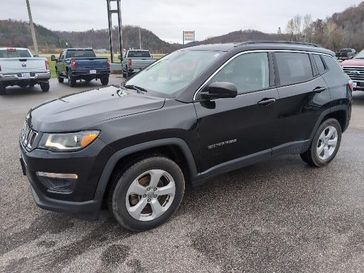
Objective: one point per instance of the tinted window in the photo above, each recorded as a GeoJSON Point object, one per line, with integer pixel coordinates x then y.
{"type": "Point", "coordinates": [80, 54]}
{"type": "Point", "coordinates": [249, 72]}
{"type": "Point", "coordinates": [320, 65]}
{"type": "Point", "coordinates": [14, 53]}
{"type": "Point", "coordinates": [139, 54]}
{"type": "Point", "coordinates": [293, 67]}
{"type": "Point", "coordinates": [332, 64]}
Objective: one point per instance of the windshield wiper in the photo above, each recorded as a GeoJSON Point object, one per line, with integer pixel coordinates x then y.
{"type": "Point", "coordinates": [135, 87]}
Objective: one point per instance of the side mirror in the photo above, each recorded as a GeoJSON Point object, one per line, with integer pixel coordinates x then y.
{"type": "Point", "coordinates": [219, 90]}
{"type": "Point", "coordinates": [53, 58]}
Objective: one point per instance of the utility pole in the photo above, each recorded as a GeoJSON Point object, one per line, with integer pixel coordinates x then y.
{"type": "Point", "coordinates": [32, 30]}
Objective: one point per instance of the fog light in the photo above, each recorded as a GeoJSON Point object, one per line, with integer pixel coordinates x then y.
{"type": "Point", "coordinates": [63, 183]}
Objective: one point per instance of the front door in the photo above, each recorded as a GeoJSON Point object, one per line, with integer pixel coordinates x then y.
{"type": "Point", "coordinates": [233, 128]}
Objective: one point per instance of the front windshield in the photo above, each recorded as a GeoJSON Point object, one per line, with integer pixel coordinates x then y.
{"type": "Point", "coordinates": [360, 55]}
{"type": "Point", "coordinates": [174, 72]}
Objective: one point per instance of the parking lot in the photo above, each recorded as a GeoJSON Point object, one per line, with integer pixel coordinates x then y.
{"type": "Point", "coordinates": [276, 216]}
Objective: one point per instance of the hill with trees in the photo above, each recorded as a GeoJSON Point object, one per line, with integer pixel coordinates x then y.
{"type": "Point", "coordinates": [343, 29]}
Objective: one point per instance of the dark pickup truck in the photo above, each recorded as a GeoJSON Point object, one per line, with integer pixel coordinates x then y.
{"type": "Point", "coordinates": [81, 64]}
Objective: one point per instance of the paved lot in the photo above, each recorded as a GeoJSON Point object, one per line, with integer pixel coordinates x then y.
{"type": "Point", "coordinates": [277, 216]}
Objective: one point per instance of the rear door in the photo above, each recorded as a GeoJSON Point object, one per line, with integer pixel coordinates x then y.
{"type": "Point", "coordinates": [303, 96]}
{"type": "Point", "coordinates": [243, 126]}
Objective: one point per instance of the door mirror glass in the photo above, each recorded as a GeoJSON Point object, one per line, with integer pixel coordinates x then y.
{"type": "Point", "coordinates": [219, 90]}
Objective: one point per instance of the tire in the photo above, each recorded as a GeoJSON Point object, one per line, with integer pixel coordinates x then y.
{"type": "Point", "coordinates": [325, 144]}
{"type": "Point", "coordinates": [71, 81]}
{"type": "Point", "coordinates": [105, 80]}
{"type": "Point", "coordinates": [60, 79]}
{"type": "Point", "coordinates": [44, 86]}
{"type": "Point", "coordinates": [120, 197]}
{"type": "Point", "coordinates": [2, 90]}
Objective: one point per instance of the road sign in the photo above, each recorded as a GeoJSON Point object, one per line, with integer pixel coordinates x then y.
{"type": "Point", "coordinates": [188, 36]}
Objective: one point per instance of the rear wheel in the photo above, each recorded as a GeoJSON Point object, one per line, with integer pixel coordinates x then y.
{"type": "Point", "coordinates": [105, 80]}
{"type": "Point", "coordinates": [147, 194]}
{"type": "Point", "coordinates": [325, 144]}
{"type": "Point", "coordinates": [60, 79]}
{"type": "Point", "coordinates": [71, 81]}
{"type": "Point", "coordinates": [2, 89]}
{"type": "Point", "coordinates": [44, 86]}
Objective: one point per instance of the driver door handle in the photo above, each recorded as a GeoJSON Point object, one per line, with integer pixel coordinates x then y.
{"type": "Point", "coordinates": [266, 102]}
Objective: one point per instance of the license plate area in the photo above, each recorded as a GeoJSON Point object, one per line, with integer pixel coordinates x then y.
{"type": "Point", "coordinates": [93, 71]}
{"type": "Point", "coordinates": [25, 75]}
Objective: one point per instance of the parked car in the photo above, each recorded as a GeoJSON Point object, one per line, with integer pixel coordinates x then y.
{"type": "Point", "coordinates": [346, 54]}
{"type": "Point", "coordinates": [194, 114]}
{"type": "Point", "coordinates": [81, 64]}
{"type": "Point", "coordinates": [136, 60]}
{"type": "Point", "coordinates": [355, 70]}
{"type": "Point", "coordinates": [19, 67]}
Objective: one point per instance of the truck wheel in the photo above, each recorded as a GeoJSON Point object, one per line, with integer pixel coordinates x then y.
{"type": "Point", "coordinates": [147, 194]}
{"type": "Point", "coordinates": [105, 80]}
{"type": "Point", "coordinates": [71, 81]}
{"type": "Point", "coordinates": [60, 79]}
{"type": "Point", "coordinates": [44, 86]}
{"type": "Point", "coordinates": [2, 90]}
{"type": "Point", "coordinates": [325, 144]}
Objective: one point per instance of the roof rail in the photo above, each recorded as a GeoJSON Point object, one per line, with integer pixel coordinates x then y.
{"type": "Point", "coordinates": [279, 42]}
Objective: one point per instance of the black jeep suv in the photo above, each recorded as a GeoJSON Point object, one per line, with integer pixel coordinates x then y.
{"type": "Point", "coordinates": [195, 113]}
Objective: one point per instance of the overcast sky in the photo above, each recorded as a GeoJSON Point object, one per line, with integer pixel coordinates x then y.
{"type": "Point", "coordinates": [168, 18]}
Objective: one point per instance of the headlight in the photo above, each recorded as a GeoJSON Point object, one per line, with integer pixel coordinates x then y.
{"type": "Point", "coordinates": [68, 142]}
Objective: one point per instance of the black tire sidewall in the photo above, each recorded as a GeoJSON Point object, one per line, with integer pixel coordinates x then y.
{"type": "Point", "coordinates": [118, 205]}
{"type": "Point", "coordinates": [314, 157]}
{"type": "Point", "coordinates": [45, 86]}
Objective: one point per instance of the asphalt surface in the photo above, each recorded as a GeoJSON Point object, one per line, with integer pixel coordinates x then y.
{"type": "Point", "coordinates": [276, 216]}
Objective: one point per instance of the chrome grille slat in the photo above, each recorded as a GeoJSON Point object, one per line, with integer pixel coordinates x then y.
{"type": "Point", "coordinates": [355, 73]}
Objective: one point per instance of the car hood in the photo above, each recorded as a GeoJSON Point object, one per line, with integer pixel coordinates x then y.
{"type": "Point", "coordinates": [86, 109]}
{"type": "Point", "coordinates": [353, 63]}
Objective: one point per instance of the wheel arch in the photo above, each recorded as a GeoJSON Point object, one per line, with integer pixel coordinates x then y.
{"type": "Point", "coordinates": [173, 148]}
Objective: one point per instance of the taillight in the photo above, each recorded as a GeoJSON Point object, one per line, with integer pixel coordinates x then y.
{"type": "Point", "coordinates": [130, 62]}
{"type": "Point", "coordinates": [46, 64]}
{"type": "Point", "coordinates": [73, 64]}
{"type": "Point", "coordinates": [351, 85]}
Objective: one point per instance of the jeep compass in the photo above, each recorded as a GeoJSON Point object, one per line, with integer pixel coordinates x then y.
{"type": "Point", "coordinates": [196, 113]}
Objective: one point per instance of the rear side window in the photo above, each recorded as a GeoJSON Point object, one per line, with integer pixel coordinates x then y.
{"type": "Point", "coordinates": [319, 63]}
{"type": "Point", "coordinates": [332, 64]}
{"type": "Point", "coordinates": [248, 72]}
{"type": "Point", "coordinates": [293, 68]}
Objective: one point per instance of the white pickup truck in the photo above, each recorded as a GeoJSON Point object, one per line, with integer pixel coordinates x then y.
{"type": "Point", "coordinates": [19, 67]}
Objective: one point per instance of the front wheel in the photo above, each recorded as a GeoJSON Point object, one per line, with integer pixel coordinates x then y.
{"type": "Point", "coordinates": [325, 144]}
{"type": "Point", "coordinates": [44, 86]}
{"type": "Point", "coordinates": [105, 80]}
{"type": "Point", "coordinates": [147, 194]}
{"type": "Point", "coordinates": [71, 81]}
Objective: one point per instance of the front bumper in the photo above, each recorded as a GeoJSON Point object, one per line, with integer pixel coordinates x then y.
{"type": "Point", "coordinates": [87, 164]}
{"type": "Point", "coordinates": [18, 77]}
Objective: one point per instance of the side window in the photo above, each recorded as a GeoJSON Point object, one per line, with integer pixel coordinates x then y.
{"type": "Point", "coordinates": [319, 63]}
{"type": "Point", "coordinates": [293, 67]}
{"type": "Point", "coordinates": [61, 57]}
{"type": "Point", "coordinates": [249, 72]}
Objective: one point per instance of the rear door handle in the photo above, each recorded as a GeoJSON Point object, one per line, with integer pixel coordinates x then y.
{"type": "Point", "coordinates": [319, 89]}
{"type": "Point", "coordinates": [266, 102]}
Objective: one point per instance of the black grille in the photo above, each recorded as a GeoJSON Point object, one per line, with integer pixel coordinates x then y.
{"type": "Point", "coordinates": [28, 137]}
{"type": "Point", "coordinates": [355, 73]}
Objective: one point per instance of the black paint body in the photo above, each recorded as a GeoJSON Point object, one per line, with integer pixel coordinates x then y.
{"type": "Point", "coordinates": [211, 137]}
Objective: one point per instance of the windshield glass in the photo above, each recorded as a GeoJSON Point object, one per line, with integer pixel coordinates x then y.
{"type": "Point", "coordinates": [174, 72]}
{"type": "Point", "coordinates": [360, 55]}
{"type": "Point", "coordinates": [14, 53]}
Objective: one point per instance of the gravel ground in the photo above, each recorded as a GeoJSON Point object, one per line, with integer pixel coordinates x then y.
{"type": "Point", "coordinates": [276, 216]}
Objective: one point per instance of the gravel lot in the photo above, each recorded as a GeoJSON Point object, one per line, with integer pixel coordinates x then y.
{"type": "Point", "coordinates": [276, 216]}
